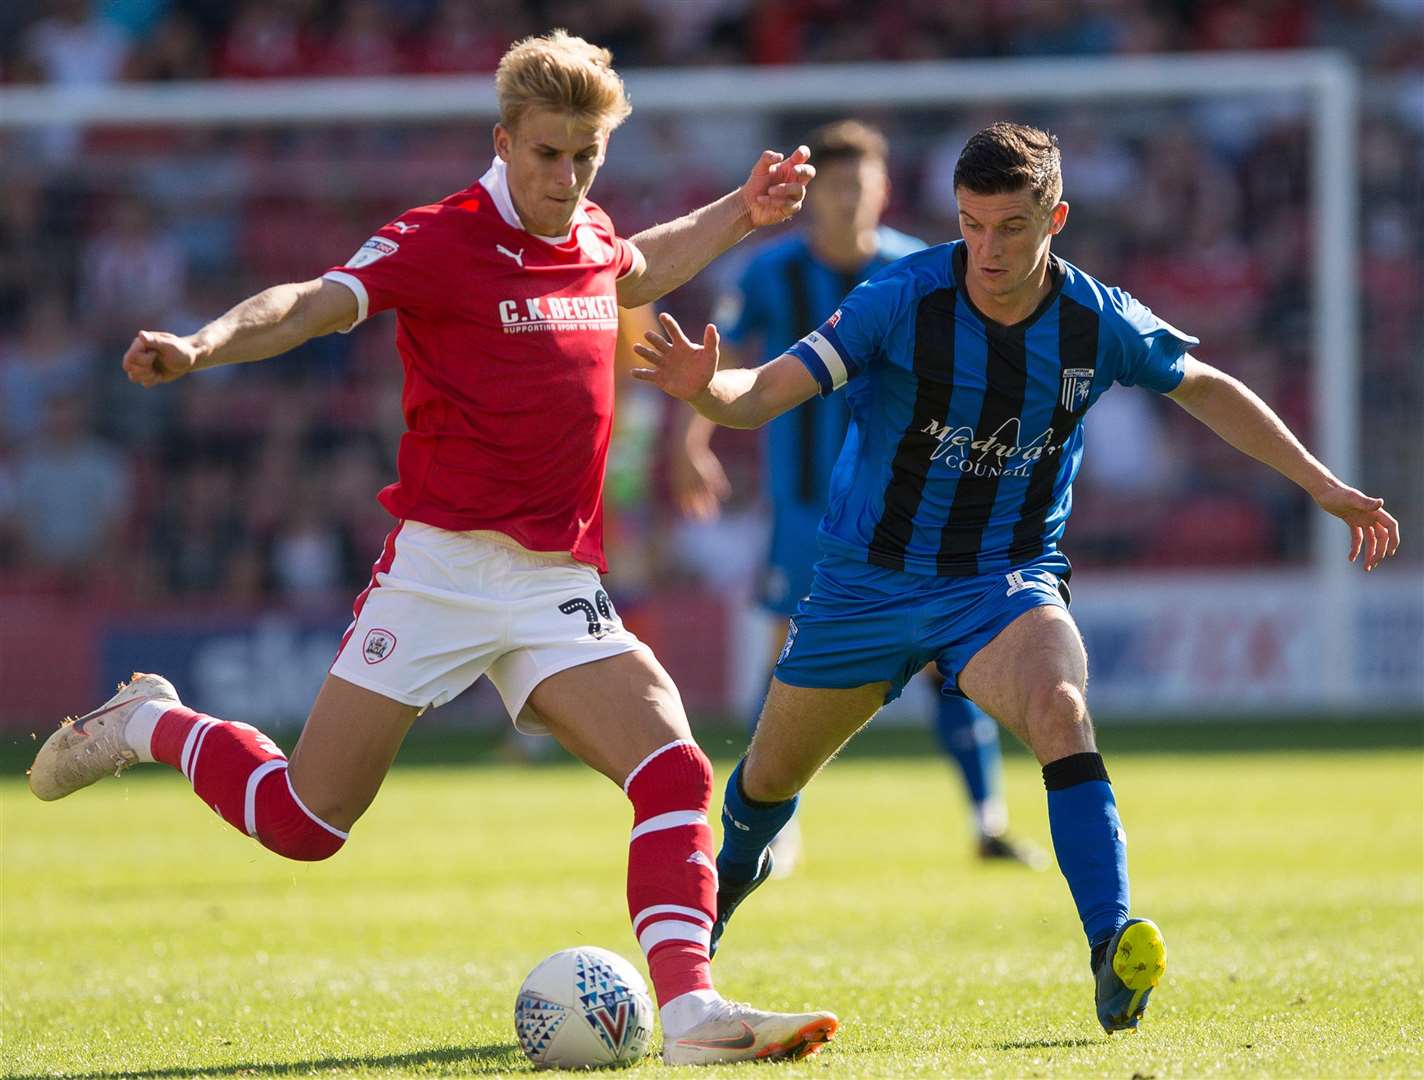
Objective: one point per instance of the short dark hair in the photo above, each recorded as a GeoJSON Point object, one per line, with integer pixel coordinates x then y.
{"type": "Point", "coordinates": [846, 140]}
{"type": "Point", "coordinates": [1007, 157]}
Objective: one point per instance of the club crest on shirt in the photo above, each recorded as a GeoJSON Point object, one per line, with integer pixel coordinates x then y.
{"type": "Point", "coordinates": [378, 645]}
{"type": "Point", "coordinates": [592, 245]}
{"type": "Point", "coordinates": [1076, 385]}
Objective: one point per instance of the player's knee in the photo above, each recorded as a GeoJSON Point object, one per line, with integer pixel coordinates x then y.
{"type": "Point", "coordinates": [676, 777]}
{"type": "Point", "coordinates": [767, 780]}
{"type": "Point", "coordinates": [305, 843]}
{"type": "Point", "coordinates": [285, 823]}
{"type": "Point", "coordinates": [699, 773]}
{"type": "Point", "coordinates": [1058, 707]}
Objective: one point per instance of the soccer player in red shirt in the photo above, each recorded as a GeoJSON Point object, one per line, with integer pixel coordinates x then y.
{"type": "Point", "coordinates": [506, 296]}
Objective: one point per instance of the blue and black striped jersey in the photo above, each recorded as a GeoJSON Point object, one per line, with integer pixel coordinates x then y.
{"type": "Point", "coordinates": [965, 435]}
{"type": "Point", "coordinates": [784, 289]}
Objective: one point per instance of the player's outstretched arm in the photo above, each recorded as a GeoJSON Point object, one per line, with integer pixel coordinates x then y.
{"type": "Point", "coordinates": [699, 483]}
{"type": "Point", "coordinates": [273, 321]}
{"type": "Point", "coordinates": [696, 477]}
{"type": "Point", "coordinates": [1230, 409]}
{"type": "Point", "coordinates": [675, 251]}
{"type": "Point", "coordinates": [732, 397]}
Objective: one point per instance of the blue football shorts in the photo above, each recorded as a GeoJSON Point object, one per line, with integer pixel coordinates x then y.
{"type": "Point", "coordinates": [862, 624]}
{"type": "Point", "coordinates": [791, 560]}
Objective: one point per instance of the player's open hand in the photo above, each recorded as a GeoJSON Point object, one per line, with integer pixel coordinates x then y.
{"type": "Point", "coordinates": [157, 357]}
{"type": "Point", "coordinates": [1373, 529]}
{"type": "Point", "coordinates": [777, 186]}
{"type": "Point", "coordinates": [680, 368]}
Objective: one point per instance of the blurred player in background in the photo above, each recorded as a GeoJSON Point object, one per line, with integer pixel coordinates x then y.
{"type": "Point", "coordinates": [788, 285]}
{"type": "Point", "coordinates": [507, 296]}
{"type": "Point", "coordinates": [969, 367]}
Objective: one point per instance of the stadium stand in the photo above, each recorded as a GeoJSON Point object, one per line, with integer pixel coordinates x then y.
{"type": "Point", "coordinates": [101, 234]}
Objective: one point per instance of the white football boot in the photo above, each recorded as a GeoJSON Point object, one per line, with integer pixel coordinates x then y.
{"type": "Point", "coordinates": [737, 1032]}
{"type": "Point", "coordinates": [94, 745]}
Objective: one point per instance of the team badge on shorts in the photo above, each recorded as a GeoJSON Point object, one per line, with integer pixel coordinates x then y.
{"type": "Point", "coordinates": [378, 645]}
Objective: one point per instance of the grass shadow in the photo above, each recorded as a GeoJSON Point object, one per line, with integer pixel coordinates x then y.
{"type": "Point", "coordinates": [1044, 1044]}
{"type": "Point", "coordinates": [458, 1060]}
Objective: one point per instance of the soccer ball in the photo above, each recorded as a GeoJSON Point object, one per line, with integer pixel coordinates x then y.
{"type": "Point", "coordinates": [583, 1008]}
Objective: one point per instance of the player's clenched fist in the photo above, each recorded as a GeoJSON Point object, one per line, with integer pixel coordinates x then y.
{"type": "Point", "coordinates": [158, 357]}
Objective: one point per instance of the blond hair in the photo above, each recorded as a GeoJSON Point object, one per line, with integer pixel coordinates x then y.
{"type": "Point", "coordinates": [560, 71]}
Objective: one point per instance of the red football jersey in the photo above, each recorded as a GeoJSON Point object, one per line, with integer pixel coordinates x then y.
{"type": "Point", "coordinates": [507, 340]}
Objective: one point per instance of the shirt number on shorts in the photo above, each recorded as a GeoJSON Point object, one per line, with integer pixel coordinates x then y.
{"type": "Point", "coordinates": [599, 613]}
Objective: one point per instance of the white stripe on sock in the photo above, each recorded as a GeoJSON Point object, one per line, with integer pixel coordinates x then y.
{"type": "Point", "coordinates": [198, 749]}
{"type": "Point", "coordinates": [671, 820]}
{"type": "Point", "coordinates": [249, 802]}
{"type": "Point", "coordinates": [673, 930]}
{"type": "Point", "coordinates": [190, 746]}
{"type": "Point", "coordinates": [303, 807]}
{"type": "Point", "coordinates": [639, 767]}
{"type": "Point", "coordinates": [670, 909]}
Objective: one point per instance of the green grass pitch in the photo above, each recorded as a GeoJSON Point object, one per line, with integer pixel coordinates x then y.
{"type": "Point", "coordinates": [144, 937]}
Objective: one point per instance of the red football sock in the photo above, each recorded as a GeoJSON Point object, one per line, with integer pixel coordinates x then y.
{"type": "Point", "coordinates": [242, 775]}
{"type": "Point", "coordinates": [672, 880]}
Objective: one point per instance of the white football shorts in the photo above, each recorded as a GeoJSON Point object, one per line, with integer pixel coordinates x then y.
{"type": "Point", "coordinates": [444, 608]}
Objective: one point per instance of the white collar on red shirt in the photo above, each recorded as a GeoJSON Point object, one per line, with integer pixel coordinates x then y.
{"type": "Point", "coordinates": [496, 182]}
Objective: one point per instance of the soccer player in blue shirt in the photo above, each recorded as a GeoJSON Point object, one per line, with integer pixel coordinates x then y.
{"type": "Point", "coordinates": [789, 285]}
{"type": "Point", "coordinates": [968, 368]}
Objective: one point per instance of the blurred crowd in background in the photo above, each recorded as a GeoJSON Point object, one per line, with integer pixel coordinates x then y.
{"type": "Point", "coordinates": [256, 485]}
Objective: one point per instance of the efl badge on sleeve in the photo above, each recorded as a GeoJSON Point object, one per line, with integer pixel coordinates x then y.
{"type": "Point", "coordinates": [378, 247]}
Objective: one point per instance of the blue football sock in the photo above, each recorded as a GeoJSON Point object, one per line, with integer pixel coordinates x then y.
{"type": "Point", "coordinates": [1089, 841]}
{"type": "Point", "coordinates": [971, 738]}
{"type": "Point", "coordinates": [748, 827]}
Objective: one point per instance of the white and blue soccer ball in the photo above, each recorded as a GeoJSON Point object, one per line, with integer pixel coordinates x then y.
{"type": "Point", "coordinates": [584, 1008]}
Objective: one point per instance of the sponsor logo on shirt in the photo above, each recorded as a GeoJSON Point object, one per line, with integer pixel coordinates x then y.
{"type": "Point", "coordinates": [835, 318]}
{"type": "Point", "coordinates": [547, 313]}
{"type": "Point", "coordinates": [378, 247]}
{"type": "Point", "coordinates": [1004, 453]}
{"type": "Point", "coordinates": [402, 228]}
